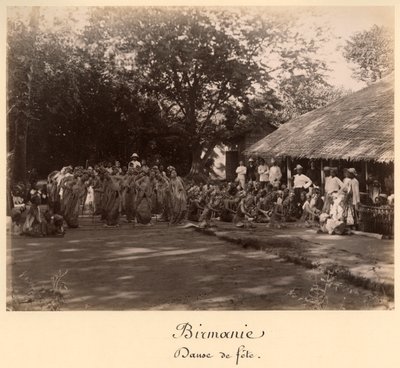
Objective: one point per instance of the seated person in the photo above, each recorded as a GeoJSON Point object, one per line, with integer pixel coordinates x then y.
{"type": "Point", "coordinates": [18, 216]}
{"type": "Point", "coordinates": [310, 212]}
{"type": "Point", "coordinates": [330, 225]}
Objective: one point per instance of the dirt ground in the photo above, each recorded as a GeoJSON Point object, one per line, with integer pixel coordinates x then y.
{"type": "Point", "coordinates": [166, 268]}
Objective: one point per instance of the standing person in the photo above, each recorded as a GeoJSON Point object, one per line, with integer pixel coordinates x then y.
{"type": "Point", "coordinates": [327, 174]}
{"type": "Point", "coordinates": [275, 174]}
{"type": "Point", "coordinates": [301, 183]}
{"type": "Point", "coordinates": [263, 172]}
{"type": "Point", "coordinates": [98, 190]}
{"type": "Point", "coordinates": [352, 197]}
{"type": "Point", "coordinates": [178, 198]}
{"type": "Point", "coordinates": [374, 189]}
{"type": "Point", "coordinates": [73, 189]}
{"type": "Point", "coordinates": [332, 185]}
{"type": "Point", "coordinates": [144, 165]}
{"type": "Point", "coordinates": [53, 192]}
{"type": "Point", "coordinates": [135, 161]}
{"type": "Point", "coordinates": [144, 198]}
{"type": "Point", "coordinates": [251, 172]}
{"type": "Point", "coordinates": [117, 166]}
{"type": "Point", "coordinates": [163, 195]}
{"type": "Point", "coordinates": [130, 195]}
{"type": "Point", "coordinates": [314, 174]}
{"type": "Point", "coordinates": [241, 174]}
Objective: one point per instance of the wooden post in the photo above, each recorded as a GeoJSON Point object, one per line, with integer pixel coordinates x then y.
{"type": "Point", "coordinates": [366, 176]}
{"type": "Point", "coordinates": [322, 175]}
{"type": "Point", "coordinates": [288, 173]}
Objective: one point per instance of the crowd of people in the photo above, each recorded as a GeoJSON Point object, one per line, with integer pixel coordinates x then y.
{"type": "Point", "coordinates": [140, 194]}
{"type": "Point", "coordinates": [106, 190]}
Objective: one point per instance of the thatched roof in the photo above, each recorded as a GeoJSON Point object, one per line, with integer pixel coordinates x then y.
{"type": "Point", "coordinates": [357, 127]}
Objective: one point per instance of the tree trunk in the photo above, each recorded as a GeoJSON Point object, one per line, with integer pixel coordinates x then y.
{"type": "Point", "coordinates": [196, 172]}
{"type": "Point", "coordinates": [19, 159]}
{"type": "Point", "coordinates": [21, 123]}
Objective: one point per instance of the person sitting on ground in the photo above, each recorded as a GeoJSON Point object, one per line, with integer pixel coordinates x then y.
{"type": "Point", "coordinates": [316, 199]}
{"type": "Point", "coordinates": [310, 213]}
{"type": "Point", "coordinates": [289, 208]}
{"type": "Point", "coordinates": [330, 225]}
{"type": "Point", "coordinates": [18, 217]}
{"type": "Point", "coordinates": [211, 209]}
{"type": "Point", "coordinates": [278, 212]}
{"type": "Point", "coordinates": [242, 216]}
{"type": "Point", "coordinates": [263, 215]}
{"type": "Point", "coordinates": [196, 208]}
{"type": "Point", "coordinates": [54, 224]}
{"type": "Point", "coordinates": [34, 224]}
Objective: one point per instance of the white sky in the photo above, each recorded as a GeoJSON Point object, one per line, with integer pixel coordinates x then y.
{"type": "Point", "coordinates": [343, 22]}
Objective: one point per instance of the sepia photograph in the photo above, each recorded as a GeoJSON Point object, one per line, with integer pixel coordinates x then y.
{"type": "Point", "coordinates": [182, 158]}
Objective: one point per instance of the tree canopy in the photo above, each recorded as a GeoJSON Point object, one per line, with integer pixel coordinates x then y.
{"type": "Point", "coordinates": [372, 52]}
{"type": "Point", "coordinates": [189, 78]}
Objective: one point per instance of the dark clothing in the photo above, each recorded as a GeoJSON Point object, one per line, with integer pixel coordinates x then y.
{"type": "Point", "coordinates": [298, 201]}
{"type": "Point", "coordinates": [315, 176]}
{"type": "Point", "coordinates": [251, 173]}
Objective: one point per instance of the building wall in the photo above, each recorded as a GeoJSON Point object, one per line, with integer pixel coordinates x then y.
{"type": "Point", "coordinates": [235, 154]}
{"type": "Point", "coordinates": [252, 137]}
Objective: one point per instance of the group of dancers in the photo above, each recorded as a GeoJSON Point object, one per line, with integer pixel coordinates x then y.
{"type": "Point", "coordinates": [141, 195]}
{"type": "Point", "coordinates": [137, 194]}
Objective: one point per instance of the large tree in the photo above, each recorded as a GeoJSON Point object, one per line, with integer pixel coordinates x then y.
{"type": "Point", "coordinates": [372, 52]}
{"type": "Point", "coordinates": [23, 88]}
{"type": "Point", "coordinates": [209, 68]}
{"type": "Point", "coordinates": [189, 78]}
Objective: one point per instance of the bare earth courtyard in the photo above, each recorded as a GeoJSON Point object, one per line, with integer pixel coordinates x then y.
{"type": "Point", "coordinates": [165, 268]}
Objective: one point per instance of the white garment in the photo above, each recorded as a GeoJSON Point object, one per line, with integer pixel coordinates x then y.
{"type": "Point", "coordinates": [135, 164]}
{"type": "Point", "coordinates": [241, 172]}
{"type": "Point", "coordinates": [275, 174]}
{"type": "Point", "coordinates": [89, 196]}
{"type": "Point", "coordinates": [306, 204]}
{"type": "Point", "coordinates": [263, 171]}
{"type": "Point", "coordinates": [302, 181]}
{"type": "Point", "coordinates": [337, 210]}
{"type": "Point", "coordinates": [333, 184]}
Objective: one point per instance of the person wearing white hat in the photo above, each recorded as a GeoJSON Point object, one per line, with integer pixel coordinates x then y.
{"type": "Point", "coordinates": [275, 174]}
{"type": "Point", "coordinates": [251, 171]}
{"type": "Point", "coordinates": [135, 161]}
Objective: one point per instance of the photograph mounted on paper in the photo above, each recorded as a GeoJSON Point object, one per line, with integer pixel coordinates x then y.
{"type": "Point", "coordinates": [200, 158]}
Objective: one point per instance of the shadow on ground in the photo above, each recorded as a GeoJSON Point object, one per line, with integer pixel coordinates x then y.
{"type": "Point", "coordinates": [167, 268]}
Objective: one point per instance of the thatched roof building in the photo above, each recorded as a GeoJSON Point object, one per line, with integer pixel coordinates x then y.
{"type": "Point", "coordinates": [357, 127]}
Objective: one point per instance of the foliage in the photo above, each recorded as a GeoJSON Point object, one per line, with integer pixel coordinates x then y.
{"type": "Point", "coordinates": [191, 78]}
{"type": "Point", "coordinates": [38, 297]}
{"type": "Point", "coordinates": [372, 52]}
